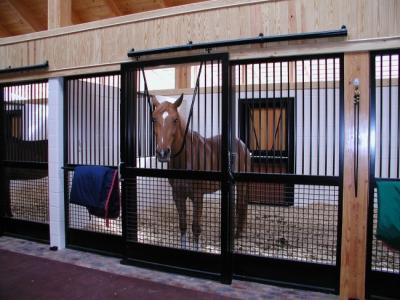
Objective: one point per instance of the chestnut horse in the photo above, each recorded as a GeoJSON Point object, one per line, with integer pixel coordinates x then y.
{"type": "Point", "coordinates": [186, 150]}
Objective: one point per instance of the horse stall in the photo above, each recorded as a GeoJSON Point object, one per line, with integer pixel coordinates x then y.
{"type": "Point", "coordinates": [383, 264]}
{"type": "Point", "coordinates": [281, 184]}
{"type": "Point", "coordinates": [91, 138]}
{"type": "Point", "coordinates": [24, 175]}
{"type": "Point", "coordinates": [250, 138]}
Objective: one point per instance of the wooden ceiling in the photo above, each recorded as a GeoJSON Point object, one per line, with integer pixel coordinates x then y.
{"type": "Point", "coordinates": [27, 16]}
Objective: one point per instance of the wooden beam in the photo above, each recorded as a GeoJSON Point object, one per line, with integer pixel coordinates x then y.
{"type": "Point", "coordinates": [355, 208]}
{"type": "Point", "coordinates": [114, 8]}
{"type": "Point", "coordinates": [26, 15]}
{"type": "Point", "coordinates": [59, 13]}
{"type": "Point", "coordinates": [182, 77]}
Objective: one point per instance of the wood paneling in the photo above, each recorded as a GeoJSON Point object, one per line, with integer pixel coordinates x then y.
{"type": "Point", "coordinates": [354, 228]}
{"type": "Point", "coordinates": [59, 13]}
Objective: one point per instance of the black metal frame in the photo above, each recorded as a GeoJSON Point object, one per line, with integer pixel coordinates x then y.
{"type": "Point", "coordinates": [96, 242]}
{"type": "Point", "coordinates": [177, 260]}
{"type": "Point", "coordinates": [377, 284]}
{"type": "Point", "coordinates": [44, 65]}
{"type": "Point", "coordinates": [246, 41]}
{"type": "Point", "coordinates": [29, 230]}
{"type": "Point", "coordinates": [283, 272]}
{"type": "Point", "coordinates": [230, 265]}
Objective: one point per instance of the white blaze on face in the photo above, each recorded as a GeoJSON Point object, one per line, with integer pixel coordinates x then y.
{"type": "Point", "coordinates": [164, 117]}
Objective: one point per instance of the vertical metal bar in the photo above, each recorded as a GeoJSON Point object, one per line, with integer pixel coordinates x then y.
{"type": "Point", "coordinates": [318, 116]}
{"type": "Point", "coordinates": [252, 112]}
{"type": "Point", "coordinates": [334, 118]}
{"type": "Point", "coordinates": [226, 193]}
{"type": "Point", "coordinates": [381, 119]}
{"type": "Point", "coordinates": [311, 118]}
{"type": "Point", "coordinates": [288, 122]}
{"type": "Point", "coordinates": [267, 108]}
{"type": "Point", "coordinates": [273, 118]}
{"type": "Point", "coordinates": [241, 108]}
{"type": "Point", "coordinates": [204, 115]}
{"type": "Point", "coordinates": [81, 128]}
{"type": "Point", "coordinates": [280, 124]}
{"type": "Point", "coordinates": [103, 120]}
{"type": "Point", "coordinates": [390, 116]}
{"type": "Point", "coordinates": [108, 118]}
{"type": "Point", "coordinates": [246, 116]}
{"type": "Point", "coordinates": [75, 114]}
{"type": "Point", "coordinates": [341, 160]}
{"type": "Point", "coordinates": [198, 125]}
{"type": "Point", "coordinates": [259, 116]}
{"type": "Point", "coordinates": [113, 124]}
{"type": "Point", "coordinates": [212, 114]}
{"type": "Point", "coordinates": [398, 115]}
{"type": "Point", "coordinates": [302, 119]}
{"type": "Point", "coordinates": [191, 137]}
{"type": "Point", "coordinates": [88, 122]}
{"type": "Point", "coordinates": [295, 107]}
{"type": "Point", "coordinates": [326, 117]}
{"type": "Point", "coordinates": [220, 82]}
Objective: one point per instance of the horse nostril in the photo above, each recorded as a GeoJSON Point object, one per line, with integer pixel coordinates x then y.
{"type": "Point", "coordinates": [167, 151]}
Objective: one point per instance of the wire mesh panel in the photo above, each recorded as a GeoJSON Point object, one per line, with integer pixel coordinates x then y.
{"type": "Point", "coordinates": [158, 222]}
{"type": "Point", "coordinates": [92, 139]}
{"type": "Point", "coordinates": [384, 261]}
{"type": "Point", "coordinates": [25, 153]}
{"type": "Point", "coordinates": [287, 112]}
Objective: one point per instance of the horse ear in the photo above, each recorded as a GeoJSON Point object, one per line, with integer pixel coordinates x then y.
{"type": "Point", "coordinates": [178, 101]}
{"type": "Point", "coordinates": [154, 100]}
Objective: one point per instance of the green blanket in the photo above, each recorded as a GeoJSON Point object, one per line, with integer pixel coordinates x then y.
{"type": "Point", "coordinates": [388, 229]}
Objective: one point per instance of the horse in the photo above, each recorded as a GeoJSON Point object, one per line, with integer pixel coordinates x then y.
{"type": "Point", "coordinates": [18, 149]}
{"type": "Point", "coordinates": [175, 145]}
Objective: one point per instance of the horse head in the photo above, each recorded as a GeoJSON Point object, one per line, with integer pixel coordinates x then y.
{"type": "Point", "coordinates": [167, 127]}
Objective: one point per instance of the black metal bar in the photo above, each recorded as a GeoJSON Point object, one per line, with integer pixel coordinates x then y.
{"type": "Point", "coordinates": [398, 117]}
{"type": "Point", "coordinates": [226, 184]}
{"type": "Point", "coordinates": [44, 65]}
{"type": "Point", "coordinates": [246, 41]}
{"type": "Point", "coordinates": [287, 178]}
{"type": "Point", "coordinates": [341, 164]}
{"type": "Point", "coordinates": [390, 116]}
{"type": "Point", "coordinates": [326, 117]}
{"type": "Point", "coordinates": [381, 119]}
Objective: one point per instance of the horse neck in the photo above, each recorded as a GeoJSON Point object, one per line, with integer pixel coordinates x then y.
{"type": "Point", "coordinates": [182, 149]}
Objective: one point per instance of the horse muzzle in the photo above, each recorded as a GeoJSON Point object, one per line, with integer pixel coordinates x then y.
{"type": "Point", "coordinates": [163, 155]}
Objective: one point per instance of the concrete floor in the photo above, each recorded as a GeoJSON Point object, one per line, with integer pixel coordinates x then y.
{"type": "Point", "coordinates": [237, 290]}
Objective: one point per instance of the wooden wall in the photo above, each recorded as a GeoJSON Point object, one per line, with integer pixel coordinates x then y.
{"type": "Point", "coordinates": [102, 45]}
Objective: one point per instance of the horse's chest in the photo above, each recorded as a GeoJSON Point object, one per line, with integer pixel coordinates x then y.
{"type": "Point", "coordinates": [191, 188]}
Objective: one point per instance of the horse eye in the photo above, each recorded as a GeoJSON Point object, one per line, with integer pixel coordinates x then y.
{"type": "Point", "coordinates": [175, 121]}
{"type": "Point", "coordinates": [153, 120]}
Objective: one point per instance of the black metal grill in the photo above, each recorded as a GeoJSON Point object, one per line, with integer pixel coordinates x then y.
{"type": "Point", "coordinates": [93, 120]}
{"type": "Point", "coordinates": [25, 154]}
{"type": "Point", "coordinates": [278, 192]}
{"type": "Point", "coordinates": [304, 232]}
{"type": "Point", "coordinates": [92, 137]}
{"type": "Point", "coordinates": [157, 217]}
{"type": "Point", "coordinates": [289, 117]}
{"type": "Point", "coordinates": [383, 263]}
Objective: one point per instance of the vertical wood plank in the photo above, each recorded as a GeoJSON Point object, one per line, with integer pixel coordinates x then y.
{"type": "Point", "coordinates": [355, 209]}
{"type": "Point", "coordinates": [59, 13]}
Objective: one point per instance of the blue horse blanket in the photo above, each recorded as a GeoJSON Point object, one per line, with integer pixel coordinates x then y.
{"type": "Point", "coordinates": [96, 188]}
